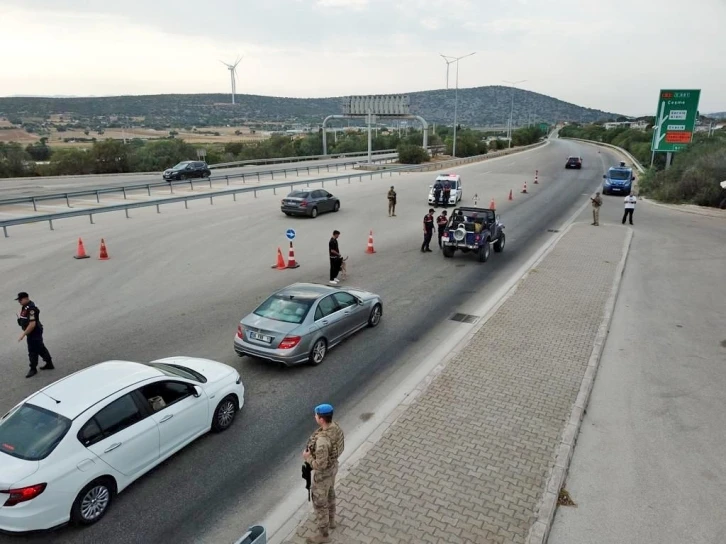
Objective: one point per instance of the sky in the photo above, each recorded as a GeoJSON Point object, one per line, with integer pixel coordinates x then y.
{"type": "Point", "coordinates": [614, 55]}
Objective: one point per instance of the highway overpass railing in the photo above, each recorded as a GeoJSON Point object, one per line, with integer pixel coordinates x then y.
{"type": "Point", "coordinates": [125, 207]}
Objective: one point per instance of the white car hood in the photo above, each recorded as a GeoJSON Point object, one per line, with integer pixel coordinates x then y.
{"type": "Point", "coordinates": [212, 370]}
{"type": "Point", "coordinates": [14, 470]}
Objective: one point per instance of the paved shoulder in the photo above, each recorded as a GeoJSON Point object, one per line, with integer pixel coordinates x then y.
{"type": "Point", "coordinates": [469, 459]}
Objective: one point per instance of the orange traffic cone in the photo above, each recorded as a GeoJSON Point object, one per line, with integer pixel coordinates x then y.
{"type": "Point", "coordinates": [280, 265]}
{"type": "Point", "coordinates": [81, 251]}
{"type": "Point", "coordinates": [536, 175]}
{"type": "Point", "coordinates": [370, 249]}
{"type": "Point", "coordinates": [510, 195]}
{"type": "Point", "coordinates": [492, 206]}
{"type": "Point", "coordinates": [291, 262]}
{"type": "Point", "coordinates": [524, 191]}
{"type": "Point", "coordinates": [104, 254]}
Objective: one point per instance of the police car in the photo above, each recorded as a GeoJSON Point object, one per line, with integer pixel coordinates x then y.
{"type": "Point", "coordinates": [454, 181]}
{"type": "Point", "coordinates": [618, 180]}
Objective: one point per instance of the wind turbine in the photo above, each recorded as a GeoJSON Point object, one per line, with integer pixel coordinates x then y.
{"type": "Point", "coordinates": [448, 61]}
{"type": "Point", "coordinates": [233, 75]}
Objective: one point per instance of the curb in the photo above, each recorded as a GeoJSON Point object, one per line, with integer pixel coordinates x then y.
{"type": "Point", "coordinates": [539, 532]}
{"type": "Point", "coordinates": [696, 210]}
{"type": "Point", "coordinates": [289, 527]}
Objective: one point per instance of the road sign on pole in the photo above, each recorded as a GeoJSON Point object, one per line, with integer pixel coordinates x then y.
{"type": "Point", "coordinates": [290, 233]}
{"type": "Point", "coordinates": [675, 120]}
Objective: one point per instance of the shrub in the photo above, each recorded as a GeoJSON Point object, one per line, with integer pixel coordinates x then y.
{"type": "Point", "coordinates": [412, 154]}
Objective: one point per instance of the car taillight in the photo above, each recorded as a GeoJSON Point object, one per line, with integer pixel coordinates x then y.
{"type": "Point", "coordinates": [24, 494]}
{"type": "Point", "coordinates": [240, 332]}
{"type": "Point", "coordinates": [303, 204]}
{"type": "Point", "coordinates": [476, 238]}
{"type": "Point", "coordinates": [289, 342]}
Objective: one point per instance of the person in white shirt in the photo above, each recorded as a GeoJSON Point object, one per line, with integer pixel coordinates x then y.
{"type": "Point", "coordinates": [630, 201]}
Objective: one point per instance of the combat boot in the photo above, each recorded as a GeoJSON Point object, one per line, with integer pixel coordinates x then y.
{"type": "Point", "coordinates": [318, 538]}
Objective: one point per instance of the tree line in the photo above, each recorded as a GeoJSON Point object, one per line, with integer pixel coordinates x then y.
{"type": "Point", "coordinates": [116, 157]}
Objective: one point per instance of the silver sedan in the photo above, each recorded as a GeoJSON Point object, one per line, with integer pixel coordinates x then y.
{"type": "Point", "coordinates": [301, 322]}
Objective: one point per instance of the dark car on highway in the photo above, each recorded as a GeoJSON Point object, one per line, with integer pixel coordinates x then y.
{"type": "Point", "coordinates": [310, 202]}
{"type": "Point", "coordinates": [187, 170]}
{"type": "Point", "coordinates": [574, 162]}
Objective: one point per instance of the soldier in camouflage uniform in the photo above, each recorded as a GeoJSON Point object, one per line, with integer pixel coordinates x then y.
{"type": "Point", "coordinates": [322, 452]}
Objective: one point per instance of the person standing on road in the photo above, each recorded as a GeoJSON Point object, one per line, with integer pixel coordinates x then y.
{"type": "Point", "coordinates": [441, 221]}
{"type": "Point", "coordinates": [596, 203]}
{"type": "Point", "coordinates": [323, 450]}
{"type": "Point", "coordinates": [428, 230]}
{"type": "Point", "coordinates": [447, 194]}
{"type": "Point", "coordinates": [335, 258]}
{"type": "Point", "coordinates": [437, 192]}
{"type": "Point", "coordinates": [29, 321]}
{"type": "Point", "coordinates": [630, 201]}
{"type": "Point", "coordinates": [391, 202]}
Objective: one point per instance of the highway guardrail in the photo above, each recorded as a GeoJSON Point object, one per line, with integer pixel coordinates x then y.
{"type": "Point", "coordinates": [98, 191]}
{"type": "Point", "coordinates": [90, 212]}
{"type": "Point", "coordinates": [624, 152]}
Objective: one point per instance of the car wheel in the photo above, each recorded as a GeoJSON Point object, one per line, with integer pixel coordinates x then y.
{"type": "Point", "coordinates": [448, 252]}
{"type": "Point", "coordinates": [314, 213]}
{"type": "Point", "coordinates": [375, 317]}
{"type": "Point", "coordinates": [484, 252]}
{"type": "Point", "coordinates": [499, 244]}
{"type": "Point", "coordinates": [224, 414]}
{"type": "Point", "coordinates": [317, 354]}
{"type": "Point", "coordinates": [337, 206]}
{"type": "Point", "coordinates": [93, 501]}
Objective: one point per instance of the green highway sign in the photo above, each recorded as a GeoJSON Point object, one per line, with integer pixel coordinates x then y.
{"type": "Point", "coordinates": [675, 119]}
{"type": "Point", "coordinates": [544, 127]}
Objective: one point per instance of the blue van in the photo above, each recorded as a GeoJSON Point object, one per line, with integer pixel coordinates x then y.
{"type": "Point", "coordinates": [618, 180]}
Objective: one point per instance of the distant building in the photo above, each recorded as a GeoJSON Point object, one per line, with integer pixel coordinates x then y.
{"type": "Point", "coordinates": [636, 125]}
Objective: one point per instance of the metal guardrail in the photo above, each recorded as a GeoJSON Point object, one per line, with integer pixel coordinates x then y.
{"type": "Point", "coordinates": [98, 191]}
{"type": "Point", "coordinates": [90, 212]}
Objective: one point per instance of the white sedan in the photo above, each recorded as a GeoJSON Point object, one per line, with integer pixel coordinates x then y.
{"type": "Point", "coordinates": [69, 448]}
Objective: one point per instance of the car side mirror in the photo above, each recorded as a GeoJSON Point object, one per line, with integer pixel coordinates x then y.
{"type": "Point", "coordinates": [632, 178]}
{"type": "Point", "coordinates": [197, 391]}
{"type": "Point", "coordinates": [330, 196]}
{"type": "Point", "coordinates": [604, 176]}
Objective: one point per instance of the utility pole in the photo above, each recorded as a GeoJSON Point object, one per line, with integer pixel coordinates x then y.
{"type": "Point", "coordinates": [511, 111]}
{"type": "Point", "coordinates": [456, 97]}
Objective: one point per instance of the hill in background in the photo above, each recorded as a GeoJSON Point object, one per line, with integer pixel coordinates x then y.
{"type": "Point", "coordinates": [478, 107]}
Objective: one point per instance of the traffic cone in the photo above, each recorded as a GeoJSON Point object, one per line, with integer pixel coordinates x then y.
{"type": "Point", "coordinates": [536, 175]}
{"type": "Point", "coordinates": [524, 191]}
{"type": "Point", "coordinates": [291, 262]}
{"type": "Point", "coordinates": [280, 265]}
{"type": "Point", "coordinates": [511, 197]}
{"type": "Point", "coordinates": [104, 254]}
{"type": "Point", "coordinates": [370, 249]}
{"type": "Point", "coordinates": [492, 206]}
{"type": "Point", "coordinates": [81, 251]}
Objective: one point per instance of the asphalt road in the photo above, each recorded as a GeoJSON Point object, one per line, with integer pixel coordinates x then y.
{"type": "Point", "coordinates": [177, 283]}
{"type": "Point", "coordinates": [649, 466]}
{"type": "Point", "coordinates": [20, 187]}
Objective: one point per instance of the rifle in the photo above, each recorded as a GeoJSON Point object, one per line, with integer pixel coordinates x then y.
{"type": "Point", "coordinates": [307, 473]}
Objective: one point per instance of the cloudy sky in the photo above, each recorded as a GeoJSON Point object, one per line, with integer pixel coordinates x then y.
{"type": "Point", "coordinates": [612, 55]}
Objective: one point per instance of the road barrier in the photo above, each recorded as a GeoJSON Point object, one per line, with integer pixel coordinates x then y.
{"type": "Point", "coordinates": [90, 212]}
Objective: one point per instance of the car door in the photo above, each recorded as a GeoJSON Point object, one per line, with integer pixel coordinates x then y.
{"type": "Point", "coordinates": [181, 413]}
{"type": "Point", "coordinates": [355, 315]}
{"type": "Point", "coordinates": [329, 320]}
{"type": "Point", "coordinates": [321, 202]}
{"type": "Point", "coordinates": [123, 436]}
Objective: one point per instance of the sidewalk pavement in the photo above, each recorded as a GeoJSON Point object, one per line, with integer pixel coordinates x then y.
{"type": "Point", "coordinates": [471, 457]}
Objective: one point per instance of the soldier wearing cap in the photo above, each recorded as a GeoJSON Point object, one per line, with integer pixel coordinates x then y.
{"type": "Point", "coordinates": [29, 321]}
{"type": "Point", "coordinates": [322, 452]}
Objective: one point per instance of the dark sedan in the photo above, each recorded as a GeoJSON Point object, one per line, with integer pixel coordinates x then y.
{"type": "Point", "coordinates": [574, 162]}
{"type": "Point", "coordinates": [310, 202]}
{"type": "Point", "coordinates": [187, 170]}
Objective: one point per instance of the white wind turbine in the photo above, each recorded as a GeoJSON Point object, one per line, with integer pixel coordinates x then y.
{"type": "Point", "coordinates": [233, 75]}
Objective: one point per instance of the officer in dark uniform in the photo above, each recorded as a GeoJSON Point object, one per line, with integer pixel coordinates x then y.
{"type": "Point", "coordinates": [441, 221]}
{"type": "Point", "coordinates": [428, 229]}
{"type": "Point", "coordinates": [437, 192]}
{"type": "Point", "coordinates": [29, 321]}
{"type": "Point", "coordinates": [447, 194]}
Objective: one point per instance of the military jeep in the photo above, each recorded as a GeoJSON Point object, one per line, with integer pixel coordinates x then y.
{"type": "Point", "coordinates": [473, 230]}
